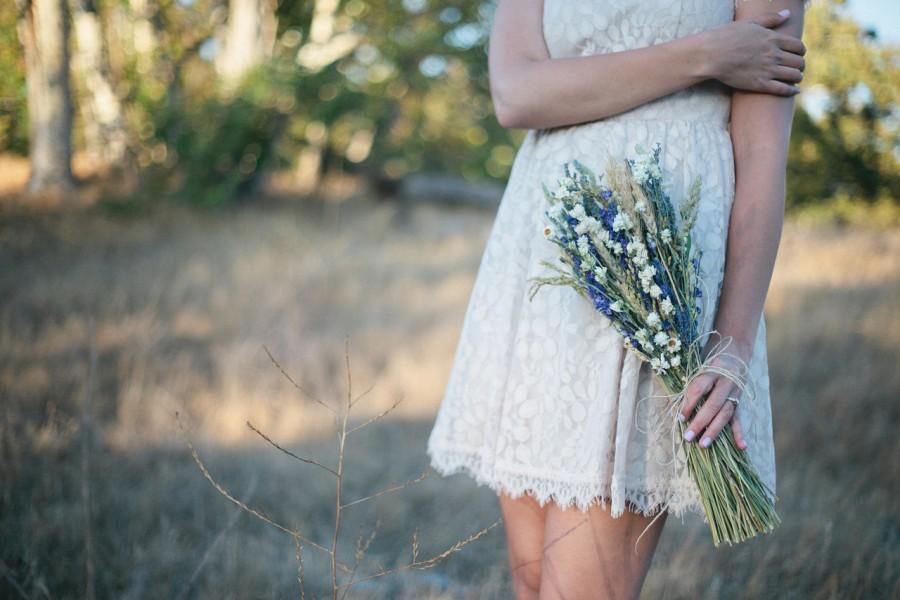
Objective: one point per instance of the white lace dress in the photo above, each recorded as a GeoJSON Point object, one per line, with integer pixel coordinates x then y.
{"type": "Point", "coordinates": [542, 397]}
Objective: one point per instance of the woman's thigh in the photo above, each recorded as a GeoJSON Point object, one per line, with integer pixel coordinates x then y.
{"type": "Point", "coordinates": [523, 520]}
{"type": "Point", "coordinates": [591, 555]}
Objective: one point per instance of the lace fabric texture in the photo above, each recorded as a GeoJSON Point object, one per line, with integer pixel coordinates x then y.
{"type": "Point", "coordinates": [542, 397]}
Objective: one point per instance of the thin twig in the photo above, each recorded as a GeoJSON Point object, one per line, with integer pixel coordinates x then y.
{"type": "Point", "coordinates": [248, 495]}
{"type": "Point", "coordinates": [288, 452]}
{"type": "Point", "coordinates": [361, 549]}
{"type": "Point", "coordinates": [86, 432]}
{"type": "Point", "coordinates": [294, 383]}
{"type": "Point", "coordinates": [433, 560]}
{"type": "Point", "coordinates": [363, 395]}
{"type": "Point", "coordinates": [390, 489]}
{"type": "Point", "coordinates": [376, 417]}
{"type": "Point", "coordinates": [300, 579]}
{"type": "Point", "coordinates": [256, 513]}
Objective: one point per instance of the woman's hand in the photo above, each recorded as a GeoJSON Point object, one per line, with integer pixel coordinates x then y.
{"type": "Point", "coordinates": [748, 55]}
{"type": "Point", "coordinates": [717, 411]}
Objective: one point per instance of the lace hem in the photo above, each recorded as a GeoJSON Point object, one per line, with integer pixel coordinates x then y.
{"type": "Point", "coordinates": [565, 493]}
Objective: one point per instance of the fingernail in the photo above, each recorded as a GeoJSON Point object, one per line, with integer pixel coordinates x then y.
{"type": "Point", "coordinates": [784, 13]}
{"type": "Point", "coordinates": [688, 435]}
{"type": "Point", "coordinates": [705, 442]}
{"type": "Point", "coordinates": [681, 418]}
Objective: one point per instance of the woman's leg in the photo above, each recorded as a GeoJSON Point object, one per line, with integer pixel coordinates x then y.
{"type": "Point", "coordinates": [591, 556]}
{"type": "Point", "coordinates": [523, 519]}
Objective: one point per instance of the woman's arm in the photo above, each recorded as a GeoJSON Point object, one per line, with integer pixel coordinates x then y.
{"type": "Point", "coordinates": [531, 90]}
{"type": "Point", "coordinates": [760, 131]}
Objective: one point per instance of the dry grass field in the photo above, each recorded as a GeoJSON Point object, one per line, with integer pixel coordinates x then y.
{"type": "Point", "coordinates": [111, 324]}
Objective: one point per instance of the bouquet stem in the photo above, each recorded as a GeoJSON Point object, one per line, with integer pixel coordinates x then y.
{"type": "Point", "coordinates": [737, 503]}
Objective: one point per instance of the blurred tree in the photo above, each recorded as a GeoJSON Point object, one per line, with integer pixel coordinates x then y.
{"type": "Point", "coordinates": [13, 98]}
{"type": "Point", "coordinates": [846, 137]}
{"type": "Point", "coordinates": [248, 40]}
{"type": "Point", "coordinates": [105, 139]}
{"type": "Point", "coordinates": [43, 30]}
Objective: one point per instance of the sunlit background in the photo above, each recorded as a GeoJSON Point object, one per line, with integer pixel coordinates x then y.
{"type": "Point", "coordinates": [260, 198]}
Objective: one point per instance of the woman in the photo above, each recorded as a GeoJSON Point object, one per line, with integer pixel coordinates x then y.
{"type": "Point", "coordinates": [544, 403]}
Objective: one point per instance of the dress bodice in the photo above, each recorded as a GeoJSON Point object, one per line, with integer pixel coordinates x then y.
{"type": "Point", "coordinates": [586, 27]}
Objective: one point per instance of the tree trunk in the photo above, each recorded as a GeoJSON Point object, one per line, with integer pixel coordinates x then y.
{"type": "Point", "coordinates": [44, 35]}
{"type": "Point", "coordinates": [249, 39]}
{"type": "Point", "coordinates": [101, 111]}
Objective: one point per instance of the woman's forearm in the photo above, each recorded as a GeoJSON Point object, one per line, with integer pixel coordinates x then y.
{"type": "Point", "coordinates": [565, 91]}
{"type": "Point", "coordinates": [760, 131]}
{"type": "Point", "coordinates": [755, 227]}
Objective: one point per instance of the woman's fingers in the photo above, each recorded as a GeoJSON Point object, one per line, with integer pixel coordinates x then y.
{"type": "Point", "coordinates": [738, 431]}
{"type": "Point", "coordinates": [718, 422]}
{"type": "Point", "coordinates": [779, 88]}
{"type": "Point", "coordinates": [711, 407]}
{"type": "Point", "coordinates": [792, 60]}
{"type": "Point", "coordinates": [772, 19]}
{"type": "Point", "coordinates": [788, 74]}
{"type": "Point", "coordinates": [791, 44]}
{"type": "Point", "coordinates": [697, 388]}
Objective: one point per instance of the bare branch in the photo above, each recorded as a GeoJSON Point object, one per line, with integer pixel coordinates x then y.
{"type": "Point", "coordinates": [219, 537]}
{"type": "Point", "coordinates": [433, 560]}
{"type": "Point", "coordinates": [361, 396]}
{"type": "Point", "coordinates": [256, 513]}
{"type": "Point", "coordinates": [361, 549]}
{"type": "Point", "coordinates": [349, 379]}
{"type": "Point", "coordinates": [300, 568]}
{"type": "Point", "coordinates": [376, 417]}
{"type": "Point", "coordinates": [294, 383]}
{"type": "Point", "coordinates": [390, 489]}
{"type": "Point", "coordinates": [288, 452]}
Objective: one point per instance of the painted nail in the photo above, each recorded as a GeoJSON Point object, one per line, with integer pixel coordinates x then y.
{"type": "Point", "coordinates": [681, 418]}
{"type": "Point", "coordinates": [784, 13]}
{"type": "Point", "coordinates": [705, 442]}
{"type": "Point", "coordinates": [688, 435]}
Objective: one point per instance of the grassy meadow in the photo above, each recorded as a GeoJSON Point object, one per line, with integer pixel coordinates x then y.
{"type": "Point", "coordinates": [109, 325]}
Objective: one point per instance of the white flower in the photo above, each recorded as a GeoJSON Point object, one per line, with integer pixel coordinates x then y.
{"type": "Point", "coordinates": [674, 345]}
{"type": "Point", "coordinates": [560, 193]}
{"type": "Point", "coordinates": [577, 211]}
{"type": "Point", "coordinates": [603, 236]}
{"type": "Point", "coordinates": [638, 252]}
{"type": "Point", "coordinates": [655, 291]}
{"type": "Point", "coordinates": [587, 225]}
{"type": "Point", "coordinates": [653, 320]}
{"type": "Point", "coordinates": [659, 364]}
{"type": "Point", "coordinates": [583, 248]}
{"type": "Point", "coordinates": [675, 360]}
{"type": "Point", "coordinates": [557, 211]}
{"type": "Point", "coordinates": [640, 206]}
{"type": "Point", "coordinates": [666, 306]}
{"type": "Point", "coordinates": [666, 235]}
{"type": "Point", "coordinates": [660, 339]}
{"type": "Point", "coordinates": [616, 306]}
{"type": "Point", "coordinates": [600, 272]}
{"type": "Point", "coordinates": [646, 275]}
{"type": "Point", "coordinates": [621, 221]}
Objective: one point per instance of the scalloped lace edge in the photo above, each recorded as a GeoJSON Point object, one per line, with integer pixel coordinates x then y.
{"type": "Point", "coordinates": [564, 494]}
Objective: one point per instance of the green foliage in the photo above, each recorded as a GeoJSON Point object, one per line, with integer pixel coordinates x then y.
{"type": "Point", "coordinates": [13, 101]}
{"type": "Point", "coordinates": [851, 149]}
{"type": "Point", "coordinates": [412, 94]}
